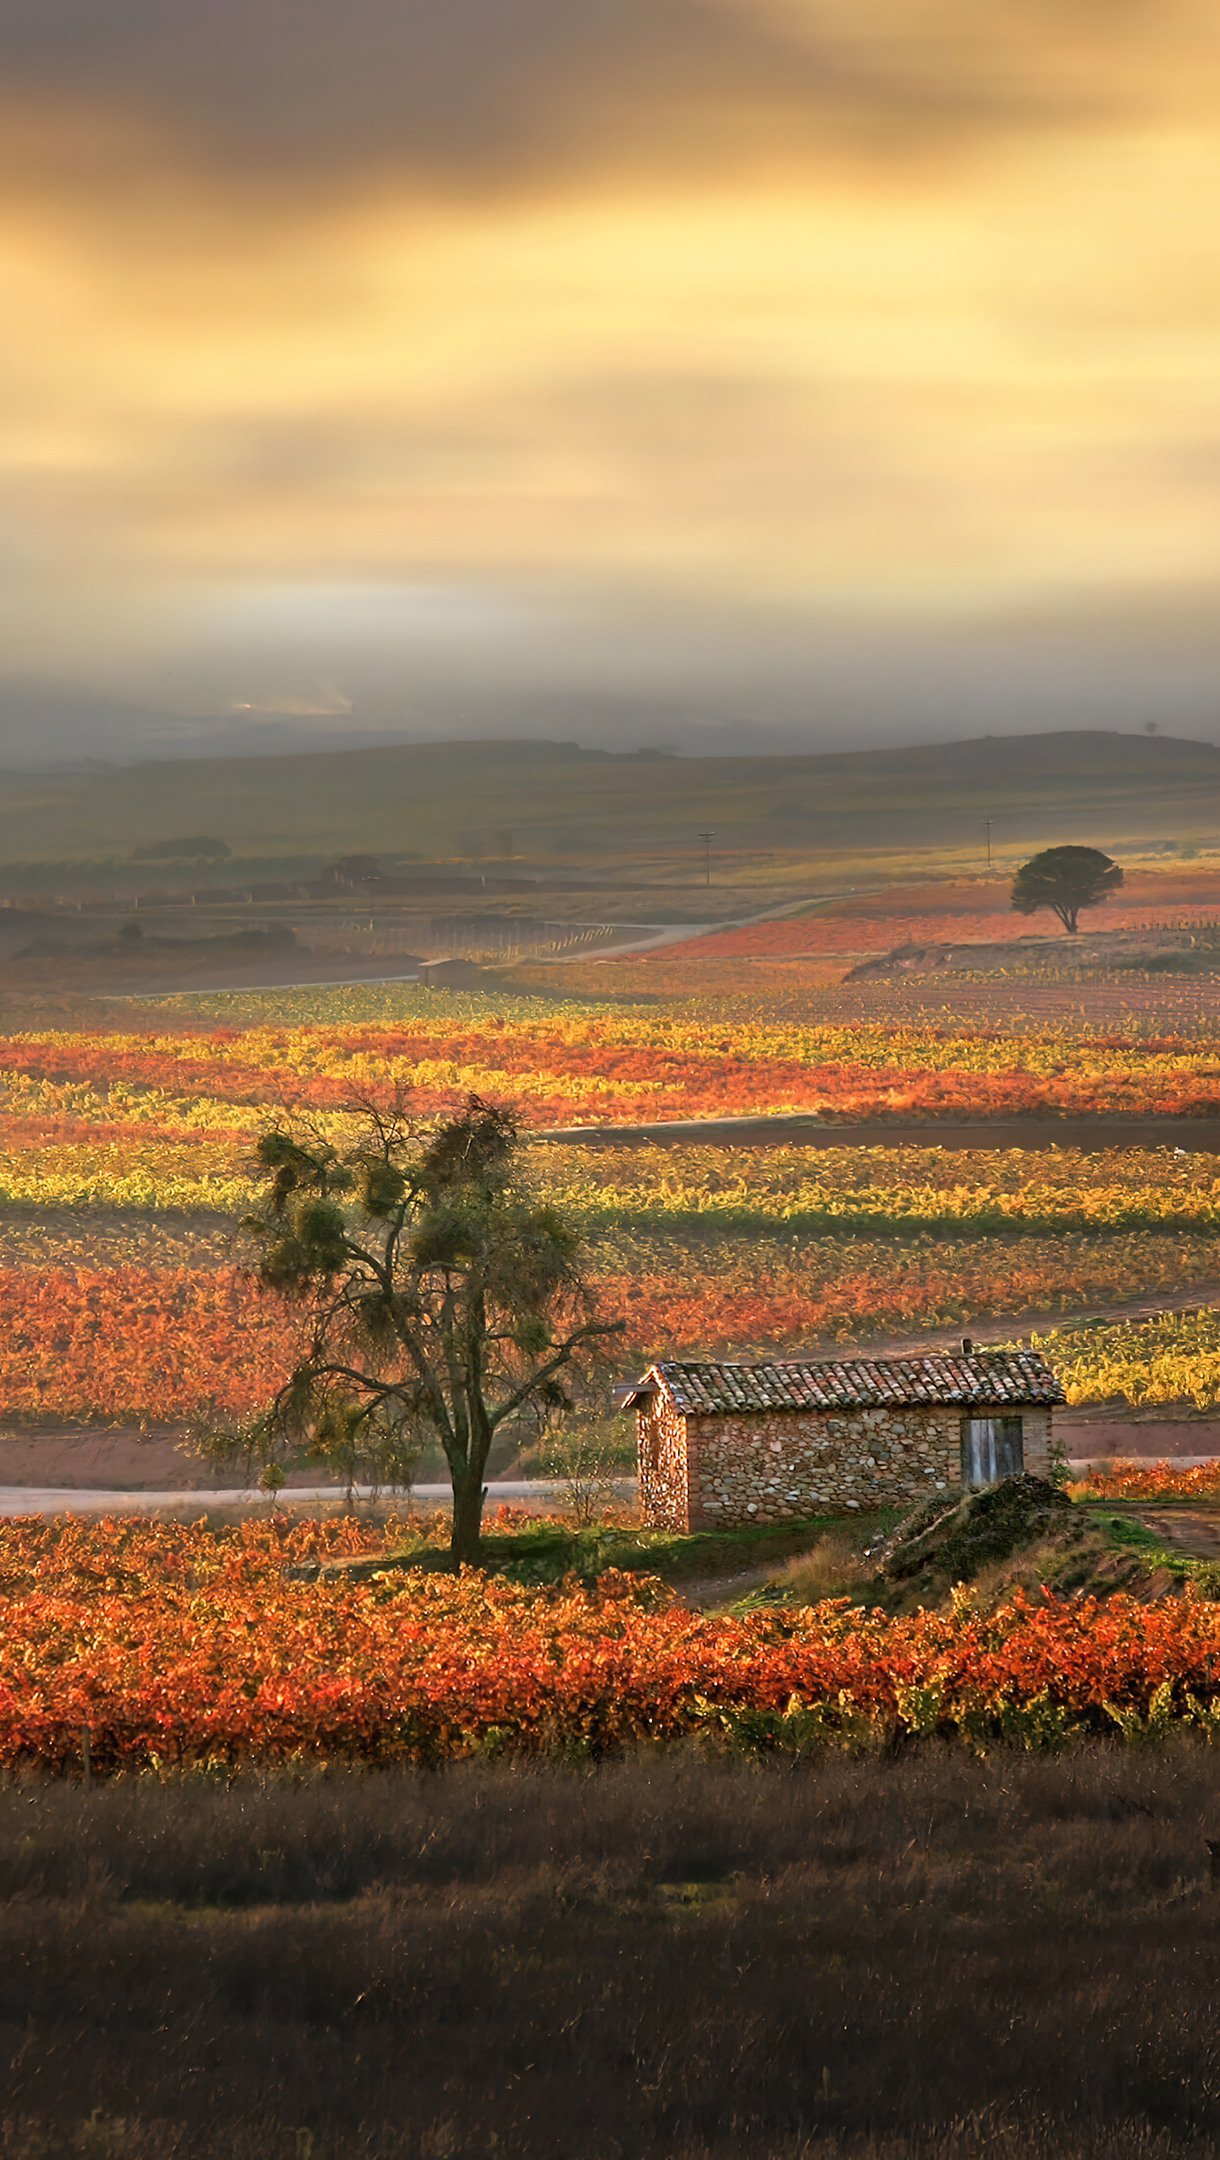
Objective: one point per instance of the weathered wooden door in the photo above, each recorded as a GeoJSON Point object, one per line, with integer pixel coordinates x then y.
{"type": "Point", "coordinates": [992, 1448]}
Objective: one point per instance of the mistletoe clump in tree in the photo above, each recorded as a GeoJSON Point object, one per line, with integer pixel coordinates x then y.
{"type": "Point", "coordinates": [1066, 879]}
{"type": "Point", "coordinates": [443, 1296]}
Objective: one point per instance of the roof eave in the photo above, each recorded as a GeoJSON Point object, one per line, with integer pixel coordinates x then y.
{"type": "Point", "coordinates": [645, 1389]}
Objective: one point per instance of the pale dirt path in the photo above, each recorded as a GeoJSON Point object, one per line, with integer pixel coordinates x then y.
{"type": "Point", "coordinates": [1194, 1297]}
{"type": "Point", "coordinates": [660, 935]}
{"type": "Point", "coordinates": [71, 1500]}
{"type": "Point", "coordinates": [708, 1593]}
{"type": "Point", "coordinates": [530, 1495]}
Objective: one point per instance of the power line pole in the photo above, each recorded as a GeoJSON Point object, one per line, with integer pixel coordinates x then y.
{"type": "Point", "coordinates": [707, 839]}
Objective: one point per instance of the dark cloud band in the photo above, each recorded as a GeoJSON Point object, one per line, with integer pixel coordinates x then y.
{"type": "Point", "coordinates": [486, 92]}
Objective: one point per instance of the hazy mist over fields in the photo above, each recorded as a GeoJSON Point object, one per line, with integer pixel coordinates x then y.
{"type": "Point", "coordinates": [799, 372]}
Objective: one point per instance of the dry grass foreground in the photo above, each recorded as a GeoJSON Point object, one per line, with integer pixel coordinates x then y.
{"type": "Point", "coordinates": [921, 1958]}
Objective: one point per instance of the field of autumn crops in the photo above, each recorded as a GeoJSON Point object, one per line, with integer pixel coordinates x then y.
{"type": "Point", "coordinates": [200, 1066]}
{"type": "Point", "coordinates": [1170, 1357]}
{"type": "Point", "coordinates": [124, 1149]}
{"type": "Point", "coordinates": [1166, 1480]}
{"type": "Point", "coordinates": [163, 1646]}
{"type": "Point", "coordinates": [154, 1344]}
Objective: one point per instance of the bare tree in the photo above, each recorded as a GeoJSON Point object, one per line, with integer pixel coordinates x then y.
{"type": "Point", "coordinates": [582, 1459]}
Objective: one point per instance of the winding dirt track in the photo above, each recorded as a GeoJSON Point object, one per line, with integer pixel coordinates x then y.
{"type": "Point", "coordinates": [1092, 1135]}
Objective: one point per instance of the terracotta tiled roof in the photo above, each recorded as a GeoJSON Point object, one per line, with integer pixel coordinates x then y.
{"type": "Point", "coordinates": [979, 1379]}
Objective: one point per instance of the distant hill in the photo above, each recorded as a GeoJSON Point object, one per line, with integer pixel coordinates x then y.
{"type": "Point", "coordinates": [556, 801]}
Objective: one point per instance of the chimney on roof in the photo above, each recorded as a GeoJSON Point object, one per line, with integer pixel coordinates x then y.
{"type": "Point", "coordinates": [967, 1345]}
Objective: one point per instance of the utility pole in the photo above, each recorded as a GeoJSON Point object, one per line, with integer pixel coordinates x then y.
{"type": "Point", "coordinates": [989, 822]}
{"type": "Point", "coordinates": [707, 839]}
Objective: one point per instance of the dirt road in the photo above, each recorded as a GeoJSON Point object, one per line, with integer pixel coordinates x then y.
{"type": "Point", "coordinates": [1193, 1530]}
{"type": "Point", "coordinates": [636, 938]}
{"type": "Point", "coordinates": [106, 1499]}
{"type": "Point", "coordinates": [653, 937]}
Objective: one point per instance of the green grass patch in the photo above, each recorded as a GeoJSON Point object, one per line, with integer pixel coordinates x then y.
{"type": "Point", "coordinates": [1124, 1530]}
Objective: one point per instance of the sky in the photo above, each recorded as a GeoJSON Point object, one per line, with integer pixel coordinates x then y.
{"type": "Point", "coordinates": [701, 371]}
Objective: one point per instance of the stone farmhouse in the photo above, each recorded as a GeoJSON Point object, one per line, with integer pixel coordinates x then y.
{"type": "Point", "coordinates": [729, 1444]}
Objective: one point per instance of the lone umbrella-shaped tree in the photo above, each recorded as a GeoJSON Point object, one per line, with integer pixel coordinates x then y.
{"type": "Point", "coordinates": [443, 1296]}
{"type": "Point", "coordinates": [1065, 879]}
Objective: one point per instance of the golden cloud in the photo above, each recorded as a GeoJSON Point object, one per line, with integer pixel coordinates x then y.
{"type": "Point", "coordinates": [850, 303]}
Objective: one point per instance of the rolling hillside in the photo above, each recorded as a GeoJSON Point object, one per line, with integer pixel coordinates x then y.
{"type": "Point", "coordinates": [557, 803]}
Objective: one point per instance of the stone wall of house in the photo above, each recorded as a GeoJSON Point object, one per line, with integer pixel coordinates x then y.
{"type": "Point", "coordinates": [763, 1467]}
{"type": "Point", "coordinates": [1038, 1440]}
{"type": "Point", "coordinates": [661, 1451]}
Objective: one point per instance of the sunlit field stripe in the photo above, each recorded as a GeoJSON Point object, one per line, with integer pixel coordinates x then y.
{"type": "Point", "coordinates": [743, 1192]}
{"type": "Point", "coordinates": [584, 1063]}
{"type": "Point", "coordinates": [1170, 1358]}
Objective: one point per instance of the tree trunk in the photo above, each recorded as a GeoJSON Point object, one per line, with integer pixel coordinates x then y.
{"type": "Point", "coordinates": [467, 1517]}
{"type": "Point", "coordinates": [469, 1491]}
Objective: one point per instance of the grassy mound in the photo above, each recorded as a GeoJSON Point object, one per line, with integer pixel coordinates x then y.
{"type": "Point", "coordinates": [1023, 1534]}
{"type": "Point", "coordinates": [952, 1538]}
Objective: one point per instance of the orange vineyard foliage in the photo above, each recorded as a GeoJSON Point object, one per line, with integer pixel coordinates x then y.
{"type": "Point", "coordinates": [161, 1345]}
{"type": "Point", "coordinates": [947, 912]}
{"type": "Point", "coordinates": [1149, 1481]}
{"type": "Point", "coordinates": [170, 1646]}
{"type": "Point", "coordinates": [838, 931]}
{"type": "Point", "coordinates": [139, 1344]}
